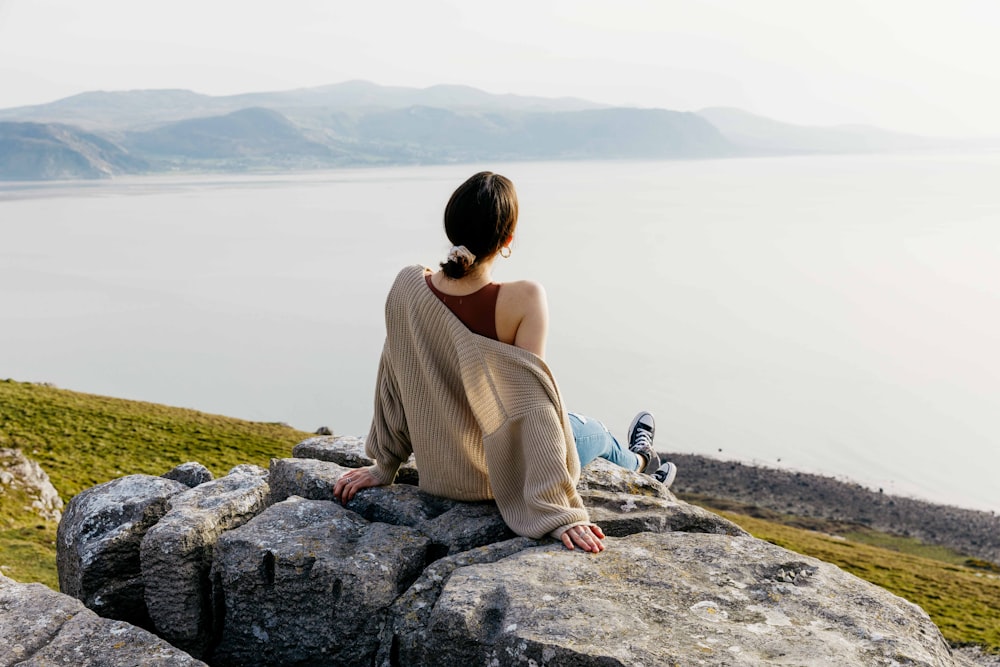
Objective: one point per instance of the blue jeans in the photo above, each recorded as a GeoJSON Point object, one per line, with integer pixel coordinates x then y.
{"type": "Point", "coordinates": [593, 440]}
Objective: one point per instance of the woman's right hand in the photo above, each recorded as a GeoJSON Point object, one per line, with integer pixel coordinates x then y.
{"type": "Point", "coordinates": [588, 537]}
{"type": "Point", "coordinates": [353, 481]}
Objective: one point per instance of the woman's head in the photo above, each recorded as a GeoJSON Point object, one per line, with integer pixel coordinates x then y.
{"type": "Point", "coordinates": [481, 216]}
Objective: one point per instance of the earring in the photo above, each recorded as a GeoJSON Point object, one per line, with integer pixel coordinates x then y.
{"type": "Point", "coordinates": [507, 248]}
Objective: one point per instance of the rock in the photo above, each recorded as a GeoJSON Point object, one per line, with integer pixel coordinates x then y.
{"type": "Point", "coordinates": [344, 450]}
{"type": "Point", "coordinates": [602, 475]}
{"type": "Point", "coordinates": [176, 553]}
{"type": "Point", "coordinates": [665, 599]}
{"type": "Point", "coordinates": [404, 637]}
{"type": "Point", "coordinates": [190, 474]}
{"type": "Point", "coordinates": [308, 582]}
{"type": "Point", "coordinates": [451, 525]}
{"type": "Point", "coordinates": [305, 477]}
{"type": "Point", "coordinates": [976, 657]}
{"type": "Point", "coordinates": [18, 472]}
{"type": "Point", "coordinates": [465, 526]}
{"type": "Point", "coordinates": [619, 515]}
{"type": "Point", "coordinates": [98, 540]}
{"type": "Point", "coordinates": [623, 502]}
{"type": "Point", "coordinates": [41, 627]}
{"type": "Point", "coordinates": [350, 453]}
{"type": "Point", "coordinates": [399, 504]}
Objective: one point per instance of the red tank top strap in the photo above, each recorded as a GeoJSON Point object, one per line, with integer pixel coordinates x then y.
{"type": "Point", "coordinates": [477, 311]}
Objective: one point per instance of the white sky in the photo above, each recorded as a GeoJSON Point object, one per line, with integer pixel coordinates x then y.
{"type": "Point", "coordinates": [925, 66]}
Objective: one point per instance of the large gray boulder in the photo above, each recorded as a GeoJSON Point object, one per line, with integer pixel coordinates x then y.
{"type": "Point", "coordinates": [666, 599]}
{"type": "Point", "coordinates": [98, 541]}
{"type": "Point", "coordinates": [40, 627]}
{"type": "Point", "coordinates": [309, 583]}
{"type": "Point", "coordinates": [176, 553]}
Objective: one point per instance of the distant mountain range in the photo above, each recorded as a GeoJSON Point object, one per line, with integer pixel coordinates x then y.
{"type": "Point", "coordinates": [103, 134]}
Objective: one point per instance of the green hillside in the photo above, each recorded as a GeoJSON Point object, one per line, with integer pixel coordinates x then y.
{"type": "Point", "coordinates": [82, 440]}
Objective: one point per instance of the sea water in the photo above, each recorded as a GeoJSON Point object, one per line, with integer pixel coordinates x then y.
{"type": "Point", "coordinates": [838, 315]}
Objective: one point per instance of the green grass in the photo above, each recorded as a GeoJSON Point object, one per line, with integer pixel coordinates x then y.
{"type": "Point", "coordinates": [81, 440]}
{"type": "Point", "coordinates": [29, 554]}
{"type": "Point", "coordinates": [960, 594]}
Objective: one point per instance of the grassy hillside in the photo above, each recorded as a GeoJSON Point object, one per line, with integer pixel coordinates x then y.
{"type": "Point", "coordinates": [82, 440]}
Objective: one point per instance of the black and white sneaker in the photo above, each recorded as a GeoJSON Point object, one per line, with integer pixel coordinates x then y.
{"type": "Point", "coordinates": [666, 473]}
{"type": "Point", "coordinates": [640, 440]}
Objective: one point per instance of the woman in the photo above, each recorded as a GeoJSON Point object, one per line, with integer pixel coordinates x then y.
{"type": "Point", "coordinates": [463, 385]}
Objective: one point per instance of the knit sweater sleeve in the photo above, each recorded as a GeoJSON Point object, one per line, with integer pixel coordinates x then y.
{"type": "Point", "coordinates": [388, 440]}
{"type": "Point", "coordinates": [529, 467]}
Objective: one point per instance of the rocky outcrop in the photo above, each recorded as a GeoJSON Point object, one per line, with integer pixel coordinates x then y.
{"type": "Point", "coordinates": [399, 577]}
{"type": "Point", "coordinates": [21, 475]}
{"type": "Point", "coordinates": [176, 553]}
{"type": "Point", "coordinates": [98, 540]}
{"type": "Point", "coordinates": [310, 578]}
{"type": "Point", "coordinates": [41, 627]}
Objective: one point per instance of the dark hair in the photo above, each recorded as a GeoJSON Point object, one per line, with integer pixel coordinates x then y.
{"type": "Point", "coordinates": [481, 215]}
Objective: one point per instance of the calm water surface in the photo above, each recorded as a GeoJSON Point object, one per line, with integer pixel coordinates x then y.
{"type": "Point", "coordinates": [837, 314]}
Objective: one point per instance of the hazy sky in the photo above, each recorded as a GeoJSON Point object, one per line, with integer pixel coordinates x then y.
{"type": "Point", "coordinates": [927, 66]}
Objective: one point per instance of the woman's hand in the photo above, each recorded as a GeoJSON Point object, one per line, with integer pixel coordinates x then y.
{"type": "Point", "coordinates": [353, 481]}
{"type": "Point", "coordinates": [588, 537]}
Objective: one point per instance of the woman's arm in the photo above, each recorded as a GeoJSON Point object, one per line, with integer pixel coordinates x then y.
{"type": "Point", "coordinates": [388, 441]}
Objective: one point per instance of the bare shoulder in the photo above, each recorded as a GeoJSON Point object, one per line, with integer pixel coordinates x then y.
{"type": "Point", "coordinates": [524, 291]}
{"type": "Point", "coordinates": [522, 315]}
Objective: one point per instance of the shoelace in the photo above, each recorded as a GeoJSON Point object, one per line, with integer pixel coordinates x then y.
{"type": "Point", "coordinates": [641, 440]}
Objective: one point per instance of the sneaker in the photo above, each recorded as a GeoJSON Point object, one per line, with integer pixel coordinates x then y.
{"type": "Point", "coordinates": [640, 440]}
{"type": "Point", "coordinates": [666, 473]}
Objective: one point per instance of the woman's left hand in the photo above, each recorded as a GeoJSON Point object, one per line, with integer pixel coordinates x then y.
{"type": "Point", "coordinates": [353, 481]}
{"type": "Point", "coordinates": [588, 537]}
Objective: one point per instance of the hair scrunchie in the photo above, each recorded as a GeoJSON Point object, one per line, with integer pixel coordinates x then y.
{"type": "Point", "coordinates": [461, 255]}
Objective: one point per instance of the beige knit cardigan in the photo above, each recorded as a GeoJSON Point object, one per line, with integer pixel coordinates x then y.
{"type": "Point", "coordinates": [484, 419]}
